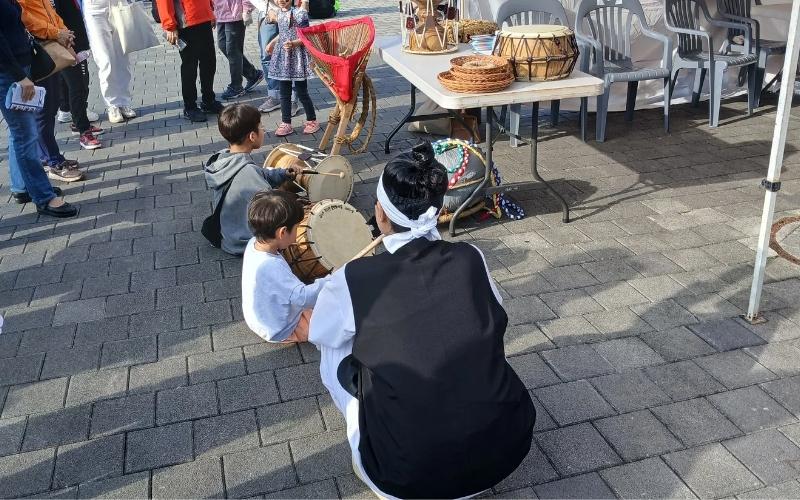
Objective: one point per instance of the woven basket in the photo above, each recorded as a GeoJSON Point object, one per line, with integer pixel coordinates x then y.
{"type": "Point", "coordinates": [489, 77]}
{"type": "Point", "coordinates": [469, 27]}
{"type": "Point", "coordinates": [479, 65]}
{"type": "Point", "coordinates": [453, 83]}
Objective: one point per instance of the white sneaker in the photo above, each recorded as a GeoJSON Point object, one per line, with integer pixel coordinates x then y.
{"type": "Point", "coordinates": [295, 108]}
{"type": "Point", "coordinates": [65, 117]}
{"type": "Point", "coordinates": [115, 115]}
{"type": "Point", "coordinates": [92, 116]}
{"type": "Point", "coordinates": [127, 112]}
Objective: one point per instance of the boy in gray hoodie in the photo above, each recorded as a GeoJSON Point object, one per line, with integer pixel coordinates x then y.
{"type": "Point", "coordinates": [232, 173]}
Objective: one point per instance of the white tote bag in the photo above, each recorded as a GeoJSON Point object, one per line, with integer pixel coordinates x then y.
{"type": "Point", "coordinates": [132, 26]}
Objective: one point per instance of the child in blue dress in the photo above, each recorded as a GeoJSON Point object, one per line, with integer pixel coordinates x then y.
{"type": "Point", "coordinates": [290, 65]}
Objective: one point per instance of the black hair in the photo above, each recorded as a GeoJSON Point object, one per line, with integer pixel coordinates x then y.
{"type": "Point", "coordinates": [415, 180]}
{"type": "Point", "coordinates": [236, 121]}
{"type": "Point", "coordinates": [270, 210]}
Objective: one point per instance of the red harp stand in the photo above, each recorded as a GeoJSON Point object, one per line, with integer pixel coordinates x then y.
{"type": "Point", "coordinates": [340, 51]}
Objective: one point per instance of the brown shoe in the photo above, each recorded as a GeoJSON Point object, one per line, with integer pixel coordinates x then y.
{"type": "Point", "coordinates": [65, 173]}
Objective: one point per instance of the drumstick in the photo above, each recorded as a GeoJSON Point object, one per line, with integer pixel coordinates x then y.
{"type": "Point", "coordinates": [314, 172]}
{"type": "Point", "coordinates": [367, 249]}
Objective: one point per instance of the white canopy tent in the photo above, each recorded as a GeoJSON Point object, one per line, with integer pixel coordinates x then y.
{"type": "Point", "coordinates": [772, 182]}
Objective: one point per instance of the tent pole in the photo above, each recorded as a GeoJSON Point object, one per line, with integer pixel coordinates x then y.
{"type": "Point", "coordinates": [772, 182]}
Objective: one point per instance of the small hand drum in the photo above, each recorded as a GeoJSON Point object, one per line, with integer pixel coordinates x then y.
{"type": "Point", "coordinates": [318, 187]}
{"type": "Point", "coordinates": [330, 235]}
{"type": "Point", "coordinates": [538, 52]}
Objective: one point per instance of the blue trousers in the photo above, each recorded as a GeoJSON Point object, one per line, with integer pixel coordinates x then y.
{"type": "Point", "coordinates": [25, 168]}
{"type": "Point", "coordinates": [266, 32]}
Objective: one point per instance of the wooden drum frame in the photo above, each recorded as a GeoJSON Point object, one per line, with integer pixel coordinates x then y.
{"type": "Point", "coordinates": [538, 52]}
{"type": "Point", "coordinates": [331, 234]}
{"type": "Point", "coordinates": [318, 187]}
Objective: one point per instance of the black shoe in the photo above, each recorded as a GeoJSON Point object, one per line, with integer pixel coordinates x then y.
{"type": "Point", "coordinates": [249, 84]}
{"type": "Point", "coordinates": [24, 197]}
{"type": "Point", "coordinates": [213, 108]}
{"type": "Point", "coordinates": [194, 115]}
{"type": "Point", "coordinates": [65, 210]}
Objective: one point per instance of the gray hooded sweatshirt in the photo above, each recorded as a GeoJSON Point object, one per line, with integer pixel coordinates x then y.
{"type": "Point", "coordinates": [246, 179]}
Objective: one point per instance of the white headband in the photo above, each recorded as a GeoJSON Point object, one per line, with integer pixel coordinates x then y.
{"type": "Point", "coordinates": [423, 226]}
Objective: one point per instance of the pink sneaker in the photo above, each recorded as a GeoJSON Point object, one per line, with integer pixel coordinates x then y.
{"type": "Point", "coordinates": [284, 129]}
{"type": "Point", "coordinates": [311, 127]}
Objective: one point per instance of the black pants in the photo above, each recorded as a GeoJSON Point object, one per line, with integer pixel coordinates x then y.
{"type": "Point", "coordinates": [200, 52]}
{"type": "Point", "coordinates": [76, 81]}
{"type": "Point", "coordinates": [301, 89]}
{"type": "Point", "coordinates": [230, 38]}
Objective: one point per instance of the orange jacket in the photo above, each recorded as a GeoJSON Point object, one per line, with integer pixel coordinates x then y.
{"type": "Point", "coordinates": [40, 18]}
{"type": "Point", "coordinates": [176, 14]}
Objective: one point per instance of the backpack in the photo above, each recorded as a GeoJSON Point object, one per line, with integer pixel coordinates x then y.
{"type": "Point", "coordinates": [212, 228]}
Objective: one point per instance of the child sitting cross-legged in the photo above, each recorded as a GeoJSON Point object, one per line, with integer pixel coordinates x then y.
{"type": "Point", "coordinates": [276, 304]}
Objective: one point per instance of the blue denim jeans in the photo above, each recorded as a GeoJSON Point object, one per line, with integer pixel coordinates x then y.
{"type": "Point", "coordinates": [25, 168]}
{"type": "Point", "coordinates": [266, 32]}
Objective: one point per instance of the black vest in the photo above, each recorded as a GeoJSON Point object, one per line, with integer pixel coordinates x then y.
{"type": "Point", "coordinates": [441, 413]}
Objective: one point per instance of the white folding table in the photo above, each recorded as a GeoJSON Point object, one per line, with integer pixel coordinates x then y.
{"type": "Point", "coordinates": [421, 70]}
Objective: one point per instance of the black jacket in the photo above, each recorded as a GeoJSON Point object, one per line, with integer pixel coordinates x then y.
{"type": "Point", "coordinates": [15, 47]}
{"type": "Point", "coordinates": [70, 12]}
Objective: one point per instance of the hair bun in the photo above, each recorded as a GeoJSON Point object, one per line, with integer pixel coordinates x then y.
{"type": "Point", "coordinates": [423, 154]}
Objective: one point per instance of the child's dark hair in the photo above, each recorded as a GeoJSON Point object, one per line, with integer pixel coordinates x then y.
{"type": "Point", "coordinates": [414, 181]}
{"type": "Point", "coordinates": [236, 121]}
{"type": "Point", "coordinates": [270, 210]}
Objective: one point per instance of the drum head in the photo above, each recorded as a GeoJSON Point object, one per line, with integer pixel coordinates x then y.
{"type": "Point", "coordinates": [329, 187]}
{"type": "Point", "coordinates": [536, 31]}
{"type": "Point", "coordinates": [337, 232]}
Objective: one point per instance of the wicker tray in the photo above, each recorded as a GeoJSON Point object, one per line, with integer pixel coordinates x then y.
{"type": "Point", "coordinates": [455, 84]}
{"type": "Point", "coordinates": [490, 77]}
{"type": "Point", "coordinates": [480, 65]}
{"type": "Point", "coordinates": [469, 27]}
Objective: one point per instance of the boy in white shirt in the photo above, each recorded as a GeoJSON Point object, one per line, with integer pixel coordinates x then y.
{"type": "Point", "coordinates": [276, 304]}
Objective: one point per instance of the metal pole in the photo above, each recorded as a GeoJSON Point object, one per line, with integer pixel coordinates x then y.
{"type": "Point", "coordinates": [772, 182]}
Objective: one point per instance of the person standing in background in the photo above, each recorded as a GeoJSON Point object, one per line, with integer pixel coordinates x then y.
{"type": "Point", "coordinates": [266, 32]}
{"type": "Point", "coordinates": [77, 77]}
{"type": "Point", "coordinates": [192, 21]}
{"type": "Point", "coordinates": [114, 67]}
{"type": "Point", "coordinates": [28, 180]}
{"type": "Point", "coordinates": [42, 22]}
{"type": "Point", "coordinates": [230, 16]}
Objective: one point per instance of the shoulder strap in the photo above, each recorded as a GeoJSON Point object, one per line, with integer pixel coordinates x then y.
{"type": "Point", "coordinates": [212, 229]}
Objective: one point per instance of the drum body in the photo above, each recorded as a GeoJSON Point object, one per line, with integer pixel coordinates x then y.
{"type": "Point", "coordinates": [465, 169]}
{"type": "Point", "coordinates": [538, 52]}
{"type": "Point", "coordinates": [318, 187]}
{"type": "Point", "coordinates": [331, 233]}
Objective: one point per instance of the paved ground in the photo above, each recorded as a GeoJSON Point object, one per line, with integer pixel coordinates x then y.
{"type": "Point", "coordinates": [127, 370]}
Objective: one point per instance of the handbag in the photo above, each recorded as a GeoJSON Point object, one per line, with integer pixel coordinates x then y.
{"type": "Point", "coordinates": [42, 64]}
{"type": "Point", "coordinates": [60, 57]}
{"type": "Point", "coordinates": [132, 26]}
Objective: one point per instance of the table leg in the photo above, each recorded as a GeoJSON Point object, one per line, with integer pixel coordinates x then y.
{"type": "Point", "coordinates": [479, 187]}
{"type": "Point", "coordinates": [404, 120]}
{"type": "Point", "coordinates": [535, 166]}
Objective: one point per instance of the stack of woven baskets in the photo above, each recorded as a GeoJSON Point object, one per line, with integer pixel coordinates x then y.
{"type": "Point", "coordinates": [477, 75]}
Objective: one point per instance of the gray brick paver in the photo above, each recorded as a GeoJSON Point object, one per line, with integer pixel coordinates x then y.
{"type": "Point", "coordinates": [133, 269]}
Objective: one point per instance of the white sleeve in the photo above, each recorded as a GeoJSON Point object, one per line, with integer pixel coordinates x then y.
{"type": "Point", "coordinates": [489, 275]}
{"type": "Point", "coordinates": [305, 296]}
{"type": "Point", "coordinates": [332, 321]}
